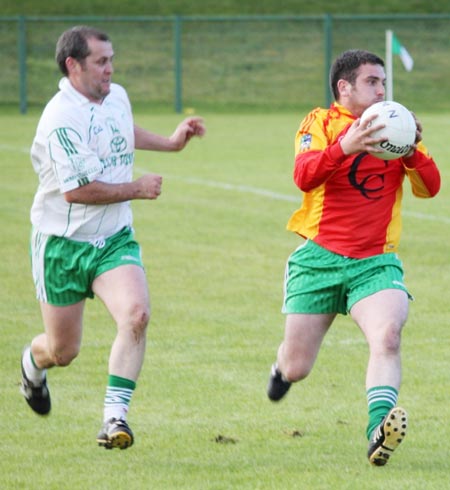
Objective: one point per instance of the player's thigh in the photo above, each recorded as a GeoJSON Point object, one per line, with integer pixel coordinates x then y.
{"type": "Point", "coordinates": [304, 334]}
{"type": "Point", "coordinates": [124, 291]}
{"type": "Point", "coordinates": [63, 328]}
{"type": "Point", "coordinates": [381, 314]}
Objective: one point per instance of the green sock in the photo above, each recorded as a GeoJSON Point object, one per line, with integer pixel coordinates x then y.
{"type": "Point", "coordinates": [118, 396]}
{"type": "Point", "coordinates": [380, 399]}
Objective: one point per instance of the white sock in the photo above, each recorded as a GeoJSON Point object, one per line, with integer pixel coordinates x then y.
{"type": "Point", "coordinates": [35, 375]}
{"type": "Point", "coordinates": [115, 412]}
{"type": "Point", "coordinates": [116, 403]}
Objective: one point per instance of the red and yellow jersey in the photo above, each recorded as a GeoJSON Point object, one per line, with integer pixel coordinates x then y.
{"type": "Point", "coordinates": [351, 203]}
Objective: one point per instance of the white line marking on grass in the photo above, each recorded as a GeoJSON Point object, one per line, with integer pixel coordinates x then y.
{"type": "Point", "coordinates": [429, 217]}
{"type": "Point", "coordinates": [244, 188]}
{"type": "Point", "coordinates": [23, 149]}
{"type": "Point", "coordinates": [277, 196]}
{"type": "Point", "coordinates": [358, 340]}
{"type": "Point", "coordinates": [237, 188]}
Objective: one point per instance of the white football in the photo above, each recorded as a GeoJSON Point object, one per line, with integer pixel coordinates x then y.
{"type": "Point", "coordinates": [400, 129]}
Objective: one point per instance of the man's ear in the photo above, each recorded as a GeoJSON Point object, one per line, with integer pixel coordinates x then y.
{"type": "Point", "coordinates": [343, 87]}
{"type": "Point", "coordinates": [71, 64]}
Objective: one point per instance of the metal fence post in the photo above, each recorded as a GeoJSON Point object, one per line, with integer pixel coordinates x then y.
{"type": "Point", "coordinates": [328, 37]}
{"type": "Point", "coordinates": [22, 52]}
{"type": "Point", "coordinates": [178, 64]}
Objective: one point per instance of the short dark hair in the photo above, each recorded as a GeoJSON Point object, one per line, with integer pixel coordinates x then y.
{"type": "Point", "coordinates": [346, 67]}
{"type": "Point", "coordinates": [74, 43]}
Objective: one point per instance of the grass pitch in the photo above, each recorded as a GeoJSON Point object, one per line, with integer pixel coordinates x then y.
{"type": "Point", "coordinates": [215, 246]}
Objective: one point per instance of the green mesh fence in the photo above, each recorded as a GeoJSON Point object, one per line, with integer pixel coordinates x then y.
{"type": "Point", "coordinates": [229, 63]}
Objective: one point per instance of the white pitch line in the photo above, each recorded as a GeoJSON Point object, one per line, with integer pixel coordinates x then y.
{"type": "Point", "coordinates": [237, 188]}
{"type": "Point", "coordinates": [246, 189]}
{"type": "Point", "coordinates": [23, 149]}
{"type": "Point", "coordinates": [429, 217]}
{"type": "Point", "coordinates": [228, 187]}
{"type": "Point", "coordinates": [277, 196]}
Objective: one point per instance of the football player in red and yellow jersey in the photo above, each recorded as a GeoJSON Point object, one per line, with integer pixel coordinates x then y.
{"type": "Point", "coordinates": [350, 220]}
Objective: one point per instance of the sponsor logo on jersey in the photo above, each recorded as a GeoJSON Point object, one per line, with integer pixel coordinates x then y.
{"type": "Point", "coordinates": [305, 142]}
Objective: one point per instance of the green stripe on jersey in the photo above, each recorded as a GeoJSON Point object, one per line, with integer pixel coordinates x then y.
{"type": "Point", "coordinates": [65, 141]}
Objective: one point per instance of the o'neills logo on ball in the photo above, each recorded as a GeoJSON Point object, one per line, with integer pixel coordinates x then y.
{"type": "Point", "coordinates": [398, 150]}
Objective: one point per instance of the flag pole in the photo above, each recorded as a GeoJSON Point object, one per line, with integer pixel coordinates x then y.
{"type": "Point", "coordinates": [388, 61]}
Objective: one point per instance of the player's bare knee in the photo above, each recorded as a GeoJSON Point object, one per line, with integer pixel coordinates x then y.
{"type": "Point", "coordinates": [392, 339]}
{"type": "Point", "coordinates": [64, 357]}
{"type": "Point", "coordinates": [138, 320]}
{"type": "Point", "coordinates": [295, 372]}
{"type": "Point", "coordinates": [387, 343]}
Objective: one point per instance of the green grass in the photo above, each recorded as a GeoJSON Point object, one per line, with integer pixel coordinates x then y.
{"type": "Point", "coordinates": [215, 246]}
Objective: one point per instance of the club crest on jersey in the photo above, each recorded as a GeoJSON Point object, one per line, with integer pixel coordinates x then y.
{"type": "Point", "coordinates": [305, 142]}
{"type": "Point", "coordinates": [118, 143]}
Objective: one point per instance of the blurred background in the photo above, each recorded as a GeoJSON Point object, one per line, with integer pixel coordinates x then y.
{"type": "Point", "coordinates": [228, 56]}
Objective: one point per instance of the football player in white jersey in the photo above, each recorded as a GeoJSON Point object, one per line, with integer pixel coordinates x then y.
{"type": "Point", "coordinates": [82, 238]}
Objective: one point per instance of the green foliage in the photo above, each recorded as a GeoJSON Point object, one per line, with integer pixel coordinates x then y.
{"type": "Point", "coordinates": [215, 245]}
{"type": "Point", "coordinates": [212, 7]}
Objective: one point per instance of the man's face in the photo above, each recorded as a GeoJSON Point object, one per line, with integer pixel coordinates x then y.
{"type": "Point", "coordinates": [92, 76]}
{"type": "Point", "coordinates": [369, 87]}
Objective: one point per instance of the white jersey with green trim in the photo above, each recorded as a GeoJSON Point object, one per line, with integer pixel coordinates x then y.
{"type": "Point", "coordinates": [77, 142]}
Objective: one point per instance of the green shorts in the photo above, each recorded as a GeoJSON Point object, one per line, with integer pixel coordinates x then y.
{"type": "Point", "coordinates": [64, 269]}
{"type": "Point", "coordinates": [320, 281]}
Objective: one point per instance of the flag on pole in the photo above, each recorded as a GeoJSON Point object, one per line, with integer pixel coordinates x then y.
{"type": "Point", "coordinates": [393, 46]}
{"type": "Point", "coordinates": [401, 51]}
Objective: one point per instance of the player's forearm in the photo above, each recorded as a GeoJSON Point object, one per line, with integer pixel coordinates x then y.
{"type": "Point", "coordinates": [103, 193]}
{"type": "Point", "coordinates": [145, 140]}
{"type": "Point", "coordinates": [423, 174]}
{"type": "Point", "coordinates": [315, 167]}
